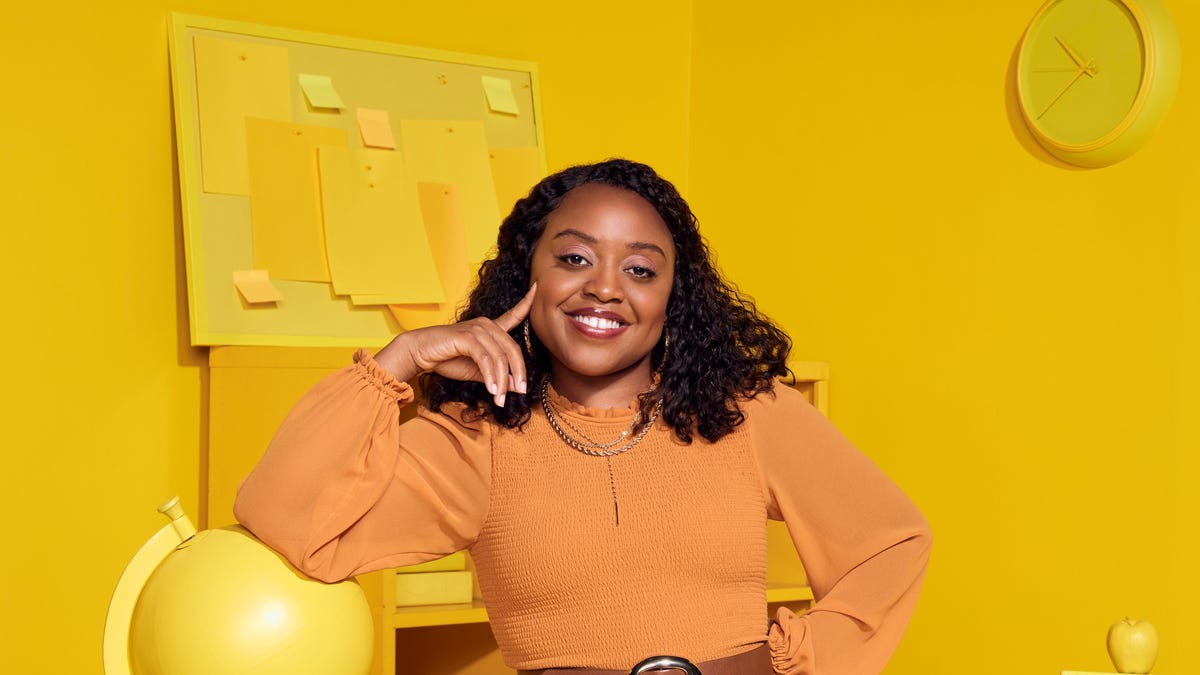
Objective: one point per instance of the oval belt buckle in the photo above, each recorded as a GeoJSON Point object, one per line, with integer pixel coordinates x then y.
{"type": "Point", "coordinates": [665, 663]}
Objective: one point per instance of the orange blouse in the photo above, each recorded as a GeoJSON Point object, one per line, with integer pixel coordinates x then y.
{"type": "Point", "coordinates": [345, 488]}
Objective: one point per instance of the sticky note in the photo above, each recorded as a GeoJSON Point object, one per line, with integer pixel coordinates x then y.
{"type": "Point", "coordinates": [375, 128]}
{"type": "Point", "coordinates": [319, 91]}
{"type": "Point", "coordinates": [378, 300]}
{"type": "Point", "coordinates": [456, 153]}
{"type": "Point", "coordinates": [514, 172]}
{"type": "Point", "coordinates": [441, 210]}
{"type": "Point", "coordinates": [442, 213]}
{"type": "Point", "coordinates": [374, 234]}
{"type": "Point", "coordinates": [256, 287]}
{"type": "Point", "coordinates": [285, 197]}
{"type": "Point", "coordinates": [499, 95]}
{"type": "Point", "coordinates": [235, 80]}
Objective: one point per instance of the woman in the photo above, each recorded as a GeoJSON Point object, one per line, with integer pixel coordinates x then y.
{"type": "Point", "coordinates": [602, 431]}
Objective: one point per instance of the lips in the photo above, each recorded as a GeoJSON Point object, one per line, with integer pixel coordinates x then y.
{"type": "Point", "coordinates": [598, 323]}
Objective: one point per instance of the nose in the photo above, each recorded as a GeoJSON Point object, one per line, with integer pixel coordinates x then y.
{"type": "Point", "coordinates": [604, 284]}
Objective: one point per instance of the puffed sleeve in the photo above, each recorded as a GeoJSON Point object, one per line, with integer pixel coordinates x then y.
{"type": "Point", "coordinates": [344, 488]}
{"type": "Point", "coordinates": [863, 543]}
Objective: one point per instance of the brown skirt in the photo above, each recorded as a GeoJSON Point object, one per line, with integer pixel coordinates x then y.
{"type": "Point", "coordinates": [757, 661]}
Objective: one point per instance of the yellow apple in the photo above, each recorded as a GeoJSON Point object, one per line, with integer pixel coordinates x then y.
{"type": "Point", "coordinates": [1132, 645]}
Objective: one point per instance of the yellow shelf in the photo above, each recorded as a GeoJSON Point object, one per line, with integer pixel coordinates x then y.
{"type": "Point", "coordinates": [445, 615]}
{"type": "Point", "coordinates": [439, 615]}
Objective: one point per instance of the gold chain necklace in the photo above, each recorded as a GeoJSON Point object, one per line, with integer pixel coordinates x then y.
{"type": "Point", "coordinates": [592, 443]}
{"type": "Point", "coordinates": [593, 448]}
{"type": "Point", "coordinates": [589, 446]}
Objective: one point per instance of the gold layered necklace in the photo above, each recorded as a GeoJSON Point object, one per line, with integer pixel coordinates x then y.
{"type": "Point", "coordinates": [589, 446]}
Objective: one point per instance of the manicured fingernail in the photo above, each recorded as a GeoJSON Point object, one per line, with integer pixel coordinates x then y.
{"type": "Point", "coordinates": [521, 386]}
{"type": "Point", "coordinates": [500, 400]}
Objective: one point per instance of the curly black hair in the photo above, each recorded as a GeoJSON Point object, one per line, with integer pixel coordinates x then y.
{"type": "Point", "coordinates": [722, 349]}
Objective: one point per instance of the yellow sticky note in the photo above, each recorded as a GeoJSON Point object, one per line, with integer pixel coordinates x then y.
{"type": "Point", "coordinates": [375, 128]}
{"type": "Point", "coordinates": [235, 80]}
{"type": "Point", "coordinates": [499, 95]}
{"type": "Point", "coordinates": [285, 198]}
{"type": "Point", "coordinates": [374, 234]}
{"type": "Point", "coordinates": [514, 171]}
{"type": "Point", "coordinates": [456, 152]}
{"type": "Point", "coordinates": [374, 300]}
{"type": "Point", "coordinates": [319, 91]}
{"type": "Point", "coordinates": [442, 211]}
{"type": "Point", "coordinates": [256, 287]}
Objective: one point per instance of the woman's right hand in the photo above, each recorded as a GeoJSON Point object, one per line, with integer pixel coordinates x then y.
{"type": "Point", "coordinates": [478, 350]}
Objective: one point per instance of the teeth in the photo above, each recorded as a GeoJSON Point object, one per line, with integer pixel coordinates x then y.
{"type": "Point", "coordinates": [597, 322]}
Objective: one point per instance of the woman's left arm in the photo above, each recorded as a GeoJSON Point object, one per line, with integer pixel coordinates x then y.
{"type": "Point", "coordinates": [863, 542]}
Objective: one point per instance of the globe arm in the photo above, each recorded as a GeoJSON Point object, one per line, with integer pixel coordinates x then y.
{"type": "Point", "coordinates": [129, 587]}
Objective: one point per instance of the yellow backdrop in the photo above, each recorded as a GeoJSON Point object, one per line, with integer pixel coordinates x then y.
{"type": "Point", "coordinates": [1014, 341]}
{"type": "Point", "coordinates": [103, 415]}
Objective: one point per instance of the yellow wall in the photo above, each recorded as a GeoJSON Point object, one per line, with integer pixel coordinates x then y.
{"type": "Point", "coordinates": [1013, 341]}
{"type": "Point", "coordinates": [103, 410]}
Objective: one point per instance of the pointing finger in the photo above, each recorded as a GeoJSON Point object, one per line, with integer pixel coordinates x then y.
{"type": "Point", "coordinates": [513, 317]}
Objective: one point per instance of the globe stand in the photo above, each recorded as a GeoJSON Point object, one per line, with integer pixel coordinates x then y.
{"type": "Point", "coordinates": [139, 569]}
{"type": "Point", "coordinates": [220, 602]}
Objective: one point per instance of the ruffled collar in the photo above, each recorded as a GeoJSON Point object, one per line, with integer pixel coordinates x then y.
{"type": "Point", "coordinates": [566, 405]}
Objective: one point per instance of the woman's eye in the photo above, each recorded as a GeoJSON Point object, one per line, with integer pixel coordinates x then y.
{"type": "Point", "coordinates": [642, 272]}
{"type": "Point", "coordinates": [573, 259]}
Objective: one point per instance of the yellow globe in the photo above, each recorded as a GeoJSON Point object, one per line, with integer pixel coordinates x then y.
{"type": "Point", "coordinates": [222, 603]}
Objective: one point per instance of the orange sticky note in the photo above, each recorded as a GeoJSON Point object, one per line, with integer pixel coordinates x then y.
{"type": "Point", "coordinates": [375, 128]}
{"type": "Point", "coordinates": [319, 91]}
{"type": "Point", "coordinates": [456, 152]}
{"type": "Point", "coordinates": [285, 197]}
{"type": "Point", "coordinates": [235, 80]}
{"type": "Point", "coordinates": [256, 287]}
{"type": "Point", "coordinates": [441, 210]}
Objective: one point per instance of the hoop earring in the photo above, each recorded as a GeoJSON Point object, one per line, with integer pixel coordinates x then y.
{"type": "Point", "coordinates": [666, 351]}
{"type": "Point", "coordinates": [528, 342]}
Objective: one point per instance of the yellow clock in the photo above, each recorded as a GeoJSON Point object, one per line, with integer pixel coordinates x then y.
{"type": "Point", "coordinates": [1095, 77]}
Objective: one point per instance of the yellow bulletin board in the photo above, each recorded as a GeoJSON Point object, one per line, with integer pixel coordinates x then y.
{"type": "Point", "coordinates": [337, 191]}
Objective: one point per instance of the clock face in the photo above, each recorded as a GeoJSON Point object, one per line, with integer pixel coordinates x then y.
{"type": "Point", "coordinates": [1081, 71]}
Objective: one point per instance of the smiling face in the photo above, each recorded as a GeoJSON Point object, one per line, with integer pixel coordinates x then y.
{"type": "Point", "coordinates": [604, 267]}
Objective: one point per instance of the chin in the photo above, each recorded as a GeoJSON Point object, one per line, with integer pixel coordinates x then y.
{"type": "Point", "coordinates": [588, 370]}
{"type": "Point", "coordinates": [595, 368]}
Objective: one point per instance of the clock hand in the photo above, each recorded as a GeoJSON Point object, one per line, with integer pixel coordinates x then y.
{"type": "Point", "coordinates": [1088, 68]}
{"type": "Point", "coordinates": [1070, 52]}
{"type": "Point", "coordinates": [1084, 68]}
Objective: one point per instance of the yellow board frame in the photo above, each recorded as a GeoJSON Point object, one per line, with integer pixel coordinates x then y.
{"type": "Point", "coordinates": [313, 317]}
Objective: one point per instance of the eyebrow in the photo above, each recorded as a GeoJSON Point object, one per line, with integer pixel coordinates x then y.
{"type": "Point", "coordinates": [633, 245]}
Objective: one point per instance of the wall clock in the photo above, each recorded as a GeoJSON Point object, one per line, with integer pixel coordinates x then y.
{"type": "Point", "coordinates": [1095, 77]}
